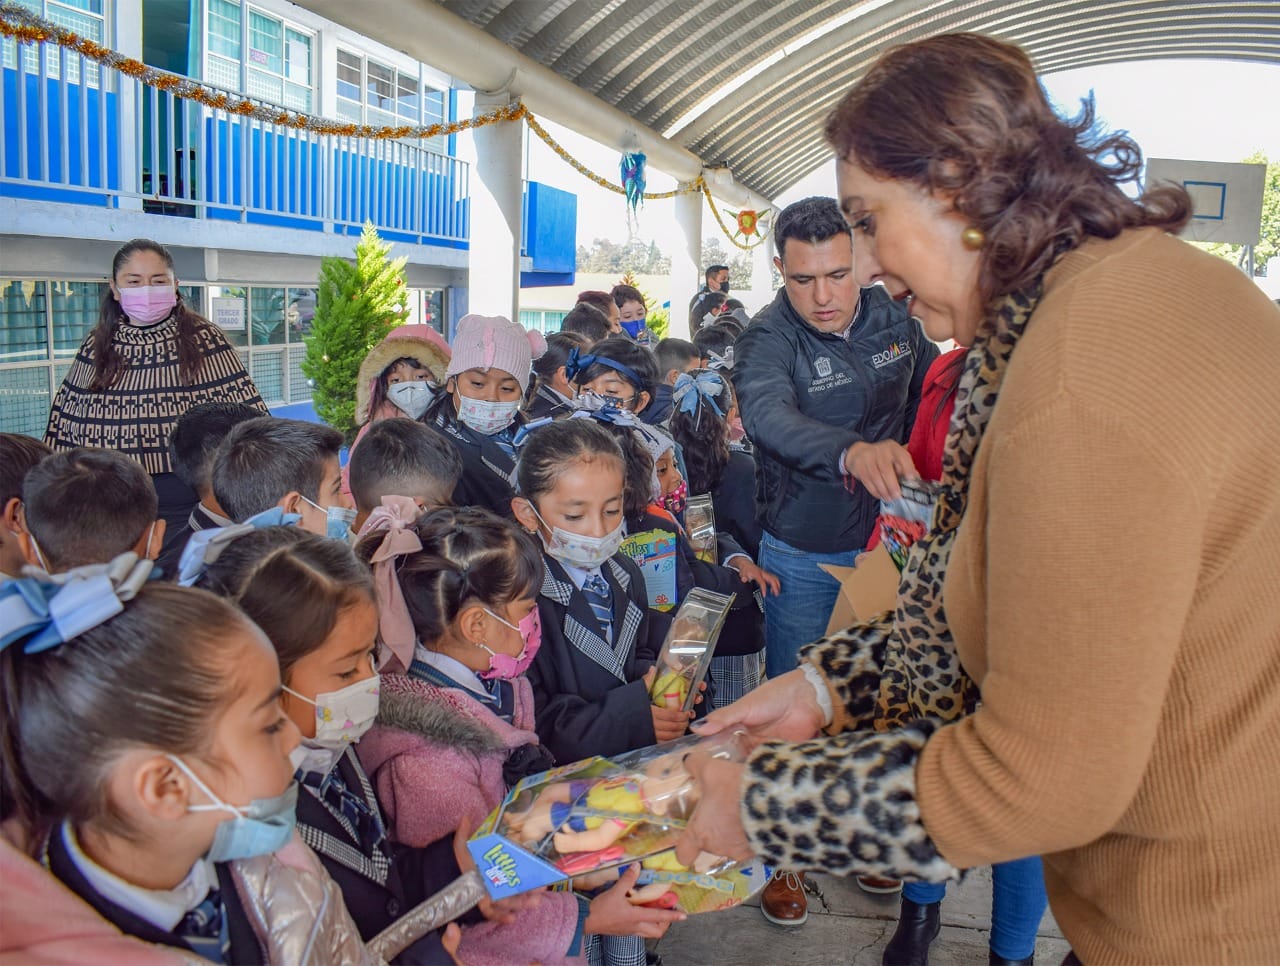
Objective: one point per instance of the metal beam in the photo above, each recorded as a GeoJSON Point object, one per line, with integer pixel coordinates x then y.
{"type": "Point", "coordinates": [425, 31]}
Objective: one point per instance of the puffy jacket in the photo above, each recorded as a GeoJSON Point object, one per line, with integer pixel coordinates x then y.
{"type": "Point", "coordinates": [296, 909]}
{"type": "Point", "coordinates": [807, 396]}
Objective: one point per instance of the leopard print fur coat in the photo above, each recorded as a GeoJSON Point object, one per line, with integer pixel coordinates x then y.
{"type": "Point", "coordinates": [846, 804]}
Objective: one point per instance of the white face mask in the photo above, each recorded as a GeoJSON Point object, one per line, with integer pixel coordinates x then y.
{"type": "Point", "coordinates": [576, 550]}
{"type": "Point", "coordinates": [486, 418]}
{"type": "Point", "coordinates": [411, 398]}
{"type": "Point", "coordinates": [342, 718]}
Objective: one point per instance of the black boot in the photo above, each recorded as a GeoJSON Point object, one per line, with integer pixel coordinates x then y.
{"type": "Point", "coordinates": [994, 959]}
{"type": "Point", "coordinates": [918, 926]}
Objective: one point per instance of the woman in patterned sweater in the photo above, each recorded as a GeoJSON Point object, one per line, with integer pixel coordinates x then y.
{"type": "Point", "coordinates": [149, 360]}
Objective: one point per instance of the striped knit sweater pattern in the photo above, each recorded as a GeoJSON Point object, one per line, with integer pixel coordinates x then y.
{"type": "Point", "coordinates": [137, 414]}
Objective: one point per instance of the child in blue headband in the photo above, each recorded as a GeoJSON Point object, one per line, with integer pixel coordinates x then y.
{"type": "Point", "coordinates": [617, 372]}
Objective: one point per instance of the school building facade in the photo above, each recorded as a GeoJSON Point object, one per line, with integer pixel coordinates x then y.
{"type": "Point", "coordinates": [91, 158]}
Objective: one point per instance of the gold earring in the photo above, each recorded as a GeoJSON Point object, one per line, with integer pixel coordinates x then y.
{"type": "Point", "coordinates": [973, 238]}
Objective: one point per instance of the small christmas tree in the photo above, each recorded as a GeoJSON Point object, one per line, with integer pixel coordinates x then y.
{"type": "Point", "coordinates": [357, 305]}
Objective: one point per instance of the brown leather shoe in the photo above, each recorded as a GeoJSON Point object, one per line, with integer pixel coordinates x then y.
{"type": "Point", "coordinates": [878, 886]}
{"type": "Point", "coordinates": [783, 901]}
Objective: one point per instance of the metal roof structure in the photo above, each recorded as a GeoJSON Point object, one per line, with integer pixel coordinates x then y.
{"type": "Point", "coordinates": [746, 83]}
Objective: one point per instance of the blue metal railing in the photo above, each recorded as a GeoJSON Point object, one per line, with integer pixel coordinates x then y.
{"type": "Point", "coordinates": [111, 141]}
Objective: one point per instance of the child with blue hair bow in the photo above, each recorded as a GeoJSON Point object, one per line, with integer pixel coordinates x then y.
{"type": "Point", "coordinates": [704, 412]}
{"type": "Point", "coordinates": [161, 796]}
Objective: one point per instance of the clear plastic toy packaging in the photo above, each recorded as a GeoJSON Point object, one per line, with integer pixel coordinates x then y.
{"type": "Point", "coordinates": [590, 818]}
{"type": "Point", "coordinates": [700, 526]}
{"type": "Point", "coordinates": [689, 646]}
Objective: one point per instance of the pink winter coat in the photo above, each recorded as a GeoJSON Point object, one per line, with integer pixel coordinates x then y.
{"type": "Point", "coordinates": [42, 921]}
{"type": "Point", "coordinates": [435, 758]}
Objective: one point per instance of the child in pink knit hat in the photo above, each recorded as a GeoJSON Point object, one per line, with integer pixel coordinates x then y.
{"type": "Point", "coordinates": [480, 411]}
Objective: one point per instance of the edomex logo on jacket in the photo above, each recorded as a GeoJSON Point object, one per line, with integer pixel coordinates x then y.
{"type": "Point", "coordinates": [897, 350]}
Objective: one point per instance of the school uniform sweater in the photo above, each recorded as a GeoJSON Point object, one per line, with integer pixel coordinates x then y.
{"type": "Point", "coordinates": [1114, 591]}
{"type": "Point", "coordinates": [546, 402]}
{"type": "Point", "coordinates": [137, 414]}
{"type": "Point", "coordinates": [488, 471]}
{"type": "Point", "coordinates": [587, 689]}
{"type": "Point", "coordinates": [379, 885]}
{"type": "Point", "coordinates": [735, 502]}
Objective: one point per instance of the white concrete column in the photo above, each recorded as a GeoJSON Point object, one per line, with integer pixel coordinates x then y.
{"type": "Point", "coordinates": [686, 260]}
{"type": "Point", "coordinates": [762, 270]}
{"type": "Point", "coordinates": [128, 40]}
{"type": "Point", "coordinates": [493, 263]}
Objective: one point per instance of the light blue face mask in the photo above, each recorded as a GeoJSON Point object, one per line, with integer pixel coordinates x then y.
{"type": "Point", "coordinates": [337, 520]}
{"type": "Point", "coordinates": [263, 826]}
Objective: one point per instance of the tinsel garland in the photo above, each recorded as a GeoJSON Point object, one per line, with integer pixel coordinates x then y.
{"type": "Point", "coordinates": [25, 27]}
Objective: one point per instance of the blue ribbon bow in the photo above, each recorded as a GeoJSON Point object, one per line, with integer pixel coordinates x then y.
{"type": "Point", "coordinates": [205, 546]}
{"type": "Point", "coordinates": [690, 390]}
{"type": "Point", "coordinates": [576, 363]}
{"type": "Point", "coordinates": [43, 612]}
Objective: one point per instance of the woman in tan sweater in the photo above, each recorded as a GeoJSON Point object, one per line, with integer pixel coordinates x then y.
{"type": "Point", "coordinates": [1107, 546]}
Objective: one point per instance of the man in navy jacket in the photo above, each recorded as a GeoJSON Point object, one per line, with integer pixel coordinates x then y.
{"type": "Point", "coordinates": [828, 379]}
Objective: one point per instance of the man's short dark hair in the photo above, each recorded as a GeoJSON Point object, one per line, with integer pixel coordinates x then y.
{"type": "Point", "coordinates": [588, 320]}
{"type": "Point", "coordinates": [812, 220]}
{"type": "Point", "coordinates": [264, 459]}
{"type": "Point", "coordinates": [713, 270]}
{"type": "Point", "coordinates": [675, 354]}
{"type": "Point", "coordinates": [87, 506]}
{"type": "Point", "coordinates": [18, 454]}
{"type": "Point", "coordinates": [402, 457]}
{"type": "Point", "coordinates": [196, 436]}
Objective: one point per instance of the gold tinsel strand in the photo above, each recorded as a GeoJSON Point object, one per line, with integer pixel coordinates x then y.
{"type": "Point", "coordinates": [25, 27]}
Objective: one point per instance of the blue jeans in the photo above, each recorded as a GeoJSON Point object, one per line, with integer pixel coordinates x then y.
{"type": "Point", "coordinates": [799, 614]}
{"type": "Point", "coordinates": [1017, 904]}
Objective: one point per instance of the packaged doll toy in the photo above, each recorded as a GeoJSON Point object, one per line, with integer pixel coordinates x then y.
{"type": "Point", "coordinates": [594, 815]}
{"type": "Point", "coordinates": [582, 822]}
{"type": "Point", "coordinates": [688, 649]}
{"type": "Point", "coordinates": [700, 526]}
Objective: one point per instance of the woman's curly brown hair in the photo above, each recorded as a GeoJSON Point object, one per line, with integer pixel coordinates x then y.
{"type": "Point", "coordinates": [965, 115]}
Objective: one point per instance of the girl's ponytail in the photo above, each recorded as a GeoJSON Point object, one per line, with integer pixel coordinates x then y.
{"type": "Point", "coordinates": [466, 555]}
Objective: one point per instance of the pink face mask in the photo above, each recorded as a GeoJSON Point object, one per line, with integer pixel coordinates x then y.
{"type": "Point", "coordinates": [677, 499]}
{"type": "Point", "coordinates": [505, 666]}
{"type": "Point", "coordinates": [148, 304]}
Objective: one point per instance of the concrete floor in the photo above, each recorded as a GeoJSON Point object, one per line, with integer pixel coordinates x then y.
{"type": "Point", "coordinates": [846, 926]}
